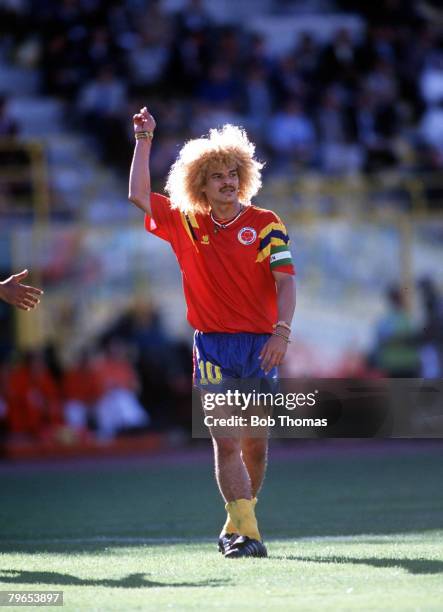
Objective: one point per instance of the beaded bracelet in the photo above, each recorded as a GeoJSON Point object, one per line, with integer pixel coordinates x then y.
{"type": "Point", "coordinates": [282, 336]}
{"type": "Point", "coordinates": [282, 324]}
{"type": "Point", "coordinates": [146, 134]}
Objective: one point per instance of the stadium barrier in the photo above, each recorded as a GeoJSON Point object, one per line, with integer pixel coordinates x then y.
{"type": "Point", "coordinates": [24, 179]}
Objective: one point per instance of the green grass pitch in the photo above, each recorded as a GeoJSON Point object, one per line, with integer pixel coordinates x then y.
{"type": "Point", "coordinates": [346, 530]}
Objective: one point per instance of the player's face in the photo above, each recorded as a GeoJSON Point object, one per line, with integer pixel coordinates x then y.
{"type": "Point", "coordinates": [222, 185]}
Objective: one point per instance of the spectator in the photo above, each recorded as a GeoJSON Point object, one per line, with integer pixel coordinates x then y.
{"type": "Point", "coordinates": [431, 352]}
{"type": "Point", "coordinates": [291, 136]}
{"type": "Point", "coordinates": [101, 103]}
{"type": "Point", "coordinates": [257, 97]}
{"type": "Point", "coordinates": [229, 48]}
{"type": "Point", "coordinates": [33, 400]}
{"type": "Point", "coordinates": [13, 155]}
{"type": "Point", "coordinates": [101, 51]}
{"type": "Point", "coordinates": [431, 128]}
{"type": "Point", "coordinates": [431, 80]}
{"type": "Point", "coordinates": [374, 132]}
{"type": "Point", "coordinates": [396, 352]}
{"type": "Point", "coordinates": [60, 75]}
{"type": "Point", "coordinates": [307, 53]}
{"type": "Point", "coordinates": [220, 87]}
{"type": "Point", "coordinates": [339, 58]}
{"type": "Point", "coordinates": [381, 83]}
{"type": "Point", "coordinates": [118, 408]}
{"type": "Point", "coordinates": [155, 25]}
{"type": "Point", "coordinates": [336, 128]}
{"type": "Point", "coordinates": [8, 125]}
{"type": "Point", "coordinates": [189, 60]}
{"type": "Point", "coordinates": [81, 390]}
{"type": "Point", "coordinates": [103, 96]}
{"type": "Point", "coordinates": [192, 18]}
{"type": "Point", "coordinates": [257, 53]}
{"type": "Point", "coordinates": [288, 82]}
{"type": "Point", "coordinates": [147, 62]}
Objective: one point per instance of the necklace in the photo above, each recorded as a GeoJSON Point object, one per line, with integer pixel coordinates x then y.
{"type": "Point", "coordinates": [227, 223]}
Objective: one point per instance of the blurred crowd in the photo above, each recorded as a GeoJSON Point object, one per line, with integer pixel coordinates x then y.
{"type": "Point", "coordinates": [356, 103]}
{"type": "Point", "coordinates": [132, 379]}
{"type": "Point", "coordinates": [364, 102]}
{"type": "Point", "coordinates": [14, 161]}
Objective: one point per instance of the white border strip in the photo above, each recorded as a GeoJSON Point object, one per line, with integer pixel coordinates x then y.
{"type": "Point", "coordinates": [159, 540]}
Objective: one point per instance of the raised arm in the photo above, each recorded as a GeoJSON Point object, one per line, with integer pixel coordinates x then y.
{"type": "Point", "coordinates": [139, 177]}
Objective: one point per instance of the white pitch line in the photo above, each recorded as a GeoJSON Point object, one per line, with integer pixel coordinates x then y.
{"type": "Point", "coordinates": [105, 539]}
{"type": "Point", "coordinates": [176, 540]}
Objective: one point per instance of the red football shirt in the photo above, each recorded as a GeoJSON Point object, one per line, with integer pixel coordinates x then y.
{"type": "Point", "coordinates": [227, 273]}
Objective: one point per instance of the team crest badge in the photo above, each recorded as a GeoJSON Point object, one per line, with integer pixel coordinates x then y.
{"type": "Point", "coordinates": [247, 235]}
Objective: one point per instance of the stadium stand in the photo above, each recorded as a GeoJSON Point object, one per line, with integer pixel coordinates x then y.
{"type": "Point", "coordinates": [345, 106]}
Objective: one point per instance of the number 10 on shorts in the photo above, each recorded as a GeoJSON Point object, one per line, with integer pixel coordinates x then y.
{"type": "Point", "coordinates": [209, 373]}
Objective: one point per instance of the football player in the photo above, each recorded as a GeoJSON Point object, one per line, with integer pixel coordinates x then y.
{"type": "Point", "coordinates": [238, 279]}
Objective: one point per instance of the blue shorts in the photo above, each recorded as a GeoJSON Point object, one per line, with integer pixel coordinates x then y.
{"type": "Point", "coordinates": [220, 357]}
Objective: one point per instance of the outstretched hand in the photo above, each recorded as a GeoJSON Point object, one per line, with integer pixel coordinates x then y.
{"type": "Point", "coordinates": [15, 293]}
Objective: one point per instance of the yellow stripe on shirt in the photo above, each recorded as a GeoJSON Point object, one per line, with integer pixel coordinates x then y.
{"type": "Point", "coordinates": [267, 250]}
{"type": "Point", "coordinates": [193, 220]}
{"type": "Point", "coordinates": [188, 231]}
{"type": "Point", "coordinates": [272, 226]}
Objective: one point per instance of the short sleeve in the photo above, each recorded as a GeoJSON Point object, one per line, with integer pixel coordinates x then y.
{"type": "Point", "coordinates": [162, 221]}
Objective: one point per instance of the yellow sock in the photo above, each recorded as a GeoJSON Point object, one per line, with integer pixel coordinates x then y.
{"type": "Point", "coordinates": [229, 526]}
{"type": "Point", "coordinates": [241, 512]}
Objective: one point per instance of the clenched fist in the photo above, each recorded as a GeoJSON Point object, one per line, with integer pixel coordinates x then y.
{"type": "Point", "coordinates": [143, 121]}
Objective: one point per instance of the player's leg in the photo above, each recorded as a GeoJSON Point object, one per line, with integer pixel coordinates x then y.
{"type": "Point", "coordinates": [254, 454]}
{"type": "Point", "coordinates": [254, 442]}
{"type": "Point", "coordinates": [233, 482]}
{"type": "Point", "coordinates": [254, 447]}
{"type": "Point", "coordinates": [254, 457]}
{"type": "Point", "coordinates": [235, 486]}
{"type": "Point", "coordinates": [230, 471]}
{"type": "Point", "coordinates": [223, 447]}
{"type": "Point", "coordinates": [212, 371]}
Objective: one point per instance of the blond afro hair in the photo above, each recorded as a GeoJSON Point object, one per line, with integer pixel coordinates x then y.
{"type": "Point", "coordinates": [228, 146]}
